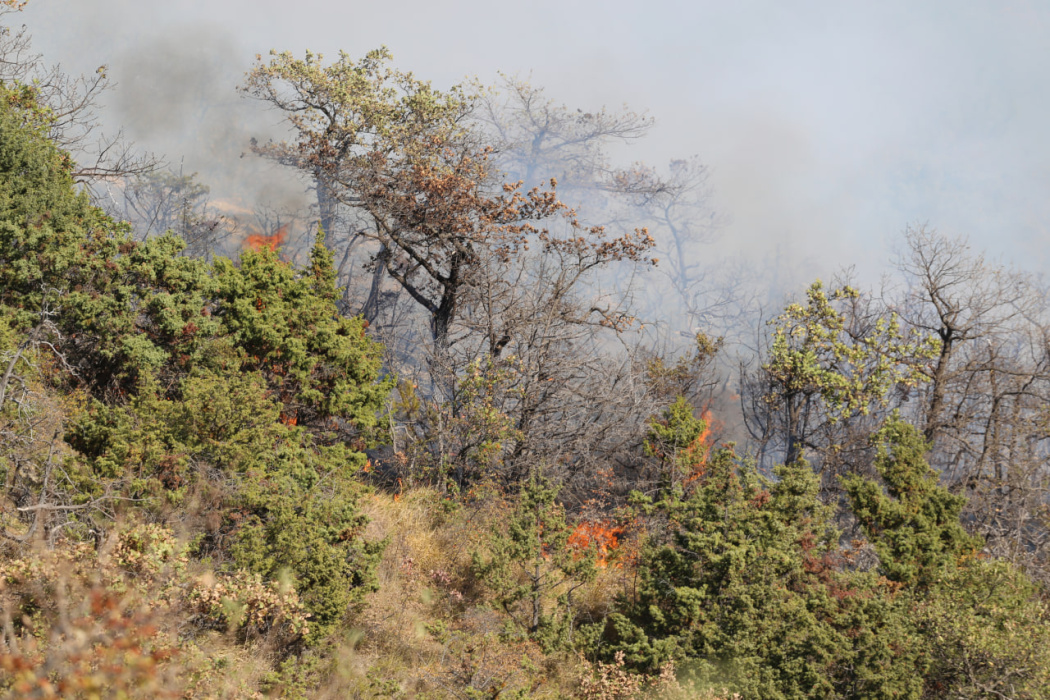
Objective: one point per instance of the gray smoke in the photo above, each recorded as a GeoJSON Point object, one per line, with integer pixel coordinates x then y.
{"type": "Point", "coordinates": [176, 96]}
{"type": "Point", "coordinates": [828, 127]}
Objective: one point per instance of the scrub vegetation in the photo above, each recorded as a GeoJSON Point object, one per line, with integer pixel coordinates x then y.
{"type": "Point", "coordinates": [430, 452]}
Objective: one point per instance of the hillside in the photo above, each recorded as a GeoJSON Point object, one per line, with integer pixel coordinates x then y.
{"type": "Point", "coordinates": [468, 476]}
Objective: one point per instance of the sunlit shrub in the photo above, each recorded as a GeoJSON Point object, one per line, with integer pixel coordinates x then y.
{"type": "Point", "coordinates": [146, 550]}
{"type": "Point", "coordinates": [249, 605]}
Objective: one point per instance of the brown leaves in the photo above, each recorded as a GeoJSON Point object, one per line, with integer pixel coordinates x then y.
{"type": "Point", "coordinates": [399, 152]}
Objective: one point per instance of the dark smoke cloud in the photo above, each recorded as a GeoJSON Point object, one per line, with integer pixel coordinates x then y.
{"type": "Point", "coordinates": [170, 83]}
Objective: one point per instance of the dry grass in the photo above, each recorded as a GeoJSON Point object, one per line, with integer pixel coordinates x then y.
{"type": "Point", "coordinates": [429, 631]}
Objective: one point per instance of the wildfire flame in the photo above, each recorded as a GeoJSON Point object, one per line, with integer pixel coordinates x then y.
{"type": "Point", "coordinates": [602, 535]}
{"type": "Point", "coordinates": [273, 242]}
{"type": "Point", "coordinates": [697, 453]}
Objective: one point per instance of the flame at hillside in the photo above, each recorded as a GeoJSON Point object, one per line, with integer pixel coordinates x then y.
{"type": "Point", "coordinates": [273, 241]}
{"type": "Point", "coordinates": [695, 455]}
{"type": "Point", "coordinates": [602, 535]}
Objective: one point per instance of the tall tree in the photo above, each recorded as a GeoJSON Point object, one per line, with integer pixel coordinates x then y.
{"type": "Point", "coordinates": [982, 406]}
{"type": "Point", "coordinates": [830, 359]}
{"type": "Point", "coordinates": [398, 150]}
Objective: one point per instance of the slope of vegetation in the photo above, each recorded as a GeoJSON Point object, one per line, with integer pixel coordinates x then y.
{"type": "Point", "coordinates": [218, 481]}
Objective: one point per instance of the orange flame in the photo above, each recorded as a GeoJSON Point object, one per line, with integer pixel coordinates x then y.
{"type": "Point", "coordinates": [695, 455]}
{"type": "Point", "coordinates": [258, 242]}
{"type": "Point", "coordinates": [601, 535]}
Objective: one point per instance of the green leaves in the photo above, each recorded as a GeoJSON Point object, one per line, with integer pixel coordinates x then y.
{"type": "Point", "coordinates": [744, 592]}
{"type": "Point", "coordinates": [679, 440]}
{"type": "Point", "coordinates": [914, 525]}
{"type": "Point", "coordinates": [751, 589]}
{"type": "Point", "coordinates": [284, 325]}
{"type": "Point", "coordinates": [362, 108]}
{"type": "Point", "coordinates": [981, 623]}
{"type": "Point", "coordinates": [532, 562]}
{"type": "Point", "coordinates": [281, 503]}
{"type": "Point", "coordinates": [987, 633]}
{"type": "Point", "coordinates": [235, 387]}
{"type": "Point", "coordinates": [817, 352]}
{"type": "Point", "coordinates": [297, 512]}
{"type": "Point", "coordinates": [44, 222]}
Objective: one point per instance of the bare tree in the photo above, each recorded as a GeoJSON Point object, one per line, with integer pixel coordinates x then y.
{"type": "Point", "coordinates": [68, 108]}
{"type": "Point", "coordinates": [538, 371]}
{"type": "Point", "coordinates": [530, 354]}
{"type": "Point", "coordinates": [983, 406]}
{"type": "Point", "coordinates": [965, 302]}
{"type": "Point", "coordinates": [537, 138]}
{"type": "Point", "coordinates": [167, 200]}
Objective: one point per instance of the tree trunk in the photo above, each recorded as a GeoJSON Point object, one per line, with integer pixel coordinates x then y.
{"type": "Point", "coordinates": [326, 206]}
{"type": "Point", "coordinates": [370, 311]}
{"type": "Point", "coordinates": [940, 376]}
{"type": "Point", "coordinates": [442, 318]}
{"type": "Point", "coordinates": [794, 444]}
{"type": "Point", "coordinates": [537, 612]}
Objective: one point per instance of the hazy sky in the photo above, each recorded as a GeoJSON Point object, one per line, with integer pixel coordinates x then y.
{"type": "Point", "coordinates": [829, 126]}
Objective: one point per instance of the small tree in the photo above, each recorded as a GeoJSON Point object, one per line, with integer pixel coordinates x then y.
{"type": "Point", "coordinates": [679, 440]}
{"type": "Point", "coordinates": [532, 562]}
{"type": "Point", "coordinates": [982, 623]}
{"type": "Point", "coordinates": [284, 324]}
{"type": "Point", "coordinates": [913, 524]}
{"type": "Point", "coordinates": [830, 361]}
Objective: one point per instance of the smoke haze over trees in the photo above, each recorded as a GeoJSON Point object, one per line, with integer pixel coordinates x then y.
{"type": "Point", "coordinates": [827, 129]}
{"type": "Point", "coordinates": [318, 378]}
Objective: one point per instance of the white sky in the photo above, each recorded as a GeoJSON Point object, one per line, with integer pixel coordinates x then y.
{"type": "Point", "coordinates": [829, 126]}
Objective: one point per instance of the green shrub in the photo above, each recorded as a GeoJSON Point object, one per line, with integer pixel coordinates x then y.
{"type": "Point", "coordinates": [742, 592]}
{"type": "Point", "coordinates": [530, 565]}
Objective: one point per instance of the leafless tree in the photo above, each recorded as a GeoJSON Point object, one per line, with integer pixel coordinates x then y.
{"type": "Point", "coordinates": [166, 200]}
{"type": "Point", "coordinates": [967, 303]}
{"type": "Point", "coordinates": [984, 406]}
{"type": "Point", "coordinates": [406, 158]}
{"type": "Point", "coordinates": [537, 138]}
{"type": "Point", "coordinates": [70, 105]}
